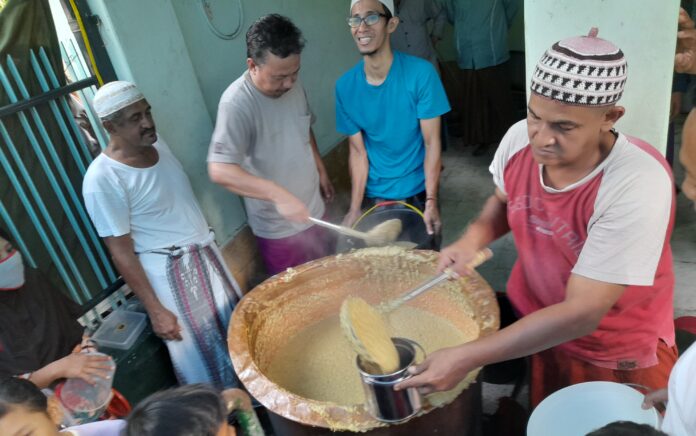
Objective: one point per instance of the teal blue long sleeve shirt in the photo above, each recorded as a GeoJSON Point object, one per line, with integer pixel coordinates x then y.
{"type": "Point", "coordinates": [481, 30]}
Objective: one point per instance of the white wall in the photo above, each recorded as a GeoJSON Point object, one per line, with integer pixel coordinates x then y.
{"type": "Point", "coordinates": [646, 32]}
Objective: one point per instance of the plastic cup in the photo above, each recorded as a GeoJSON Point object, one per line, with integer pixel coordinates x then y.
{"type": "Point", "coordinates": [86, 402]}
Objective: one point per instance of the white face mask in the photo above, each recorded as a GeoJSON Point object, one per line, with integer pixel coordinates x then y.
{"type": "Point", "coordinates": [12, 272]}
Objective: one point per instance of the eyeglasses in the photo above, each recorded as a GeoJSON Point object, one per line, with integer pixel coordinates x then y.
{"type": "Point", "coordinates": [369, 20]}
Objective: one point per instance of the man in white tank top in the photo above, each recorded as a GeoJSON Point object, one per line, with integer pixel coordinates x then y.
{"type": "Point", "coordinates": [141, 202]}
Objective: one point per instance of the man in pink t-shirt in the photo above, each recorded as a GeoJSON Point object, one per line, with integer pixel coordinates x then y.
{"type": "Point", "coordinates": [591, 211]}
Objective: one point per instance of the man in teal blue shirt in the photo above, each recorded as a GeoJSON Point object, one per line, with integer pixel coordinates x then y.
{"type": "Point", "coordinates": [390, 105]}
{"type": "Point", "coordinates": [484, 101]}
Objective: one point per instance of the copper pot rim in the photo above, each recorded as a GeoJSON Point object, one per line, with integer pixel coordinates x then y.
{"type": "Point", "coordinates": [305, 410]}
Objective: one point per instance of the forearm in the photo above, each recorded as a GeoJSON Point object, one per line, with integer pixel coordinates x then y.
{"type": "Point", "coordinates": [359, 168]}
{"type": "Point", "coordinates": [235, 179]}
{"type": "Point", "coordinates": [130, 268]}
{"type": "Point", "coordinates": [321, 169]}
{"type": "Point", "coordinates": [43, 377]}
{"type": "Point", "coordinates": [490, 225]}
{"type": "Point", "coordinates": [533, 333]}
{"type": "Point", "coordinates": [432, 166]}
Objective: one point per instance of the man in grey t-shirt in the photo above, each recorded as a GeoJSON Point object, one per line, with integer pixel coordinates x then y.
{"type": "Point", "coordinates": [263, 148]}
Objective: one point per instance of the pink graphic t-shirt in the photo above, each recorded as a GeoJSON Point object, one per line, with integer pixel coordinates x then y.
{"type": "Point", "coordinates": [614, 226]}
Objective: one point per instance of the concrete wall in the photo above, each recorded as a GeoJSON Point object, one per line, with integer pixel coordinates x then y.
{"type": "Point", "coordinates": [650, 53]}
{"type": "Point", "coordinates": [166, 47]}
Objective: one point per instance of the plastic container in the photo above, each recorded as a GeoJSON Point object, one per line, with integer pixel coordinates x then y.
{"type": "Point", "coordinates": [120, 329]}
{"type": "Point", "coordinates": [86, 402]}
{"type": "Point", "coordinates": [584, 407]}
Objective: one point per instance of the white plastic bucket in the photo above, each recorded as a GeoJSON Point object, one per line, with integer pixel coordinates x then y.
{"type": "Point", "coordinates": [584, 407]}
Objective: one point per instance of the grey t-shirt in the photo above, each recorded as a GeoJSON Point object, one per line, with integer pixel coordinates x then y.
{"type": "Point", "coordinates": [269, 138]}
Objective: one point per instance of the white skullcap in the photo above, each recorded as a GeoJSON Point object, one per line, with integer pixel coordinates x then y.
{"type": "Point", "coordinates": [389, 4]}
{"type": "Point", "coordinates": [114, 96]}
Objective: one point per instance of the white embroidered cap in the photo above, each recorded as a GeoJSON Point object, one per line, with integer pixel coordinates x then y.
{"type": "Point", "coordinates": [389, 4]}
{"type": "Point", "coordinates": [584, 70]}
{"type": "Point", "coordinates": [114, 96]}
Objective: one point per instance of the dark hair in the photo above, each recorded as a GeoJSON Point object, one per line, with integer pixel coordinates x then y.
{"type": "Point", "coordinates": [274, 33]}
{"type": "Point", "coordinates": [20, 392]}
{"type": "Point", "coordinates": [191, 410]}
{"type": "Point", "coordinates": [387, 13]}
{"type": "Point", "coordinates": [626, 428]}
{"type": "Point", "coordinates": [6, 236]}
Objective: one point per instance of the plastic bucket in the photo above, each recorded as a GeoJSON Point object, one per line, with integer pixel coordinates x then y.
{"type": "Point", "coordinates": [585, 407]}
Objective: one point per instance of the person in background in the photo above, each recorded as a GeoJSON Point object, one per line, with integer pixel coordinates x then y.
{"type": "Point", "coordinates": [626, 428]}
{"type": "Point", "coordinates": [24, 410]}
{"type": "Point", "coordinates": [190, 410]}
{"type": "Point", "coordinates": [680, 396]}
{"type": "Point", "coordinates": [680, 84]}
{"type": "Point", "coordinates": [263, 148]}
{"type": "Point", "coordinates": [412, 35]}
{"type": "Point", "coordinates": [40, 338]}
{"type": "Point", "coordinates": [592, 212]}
{"type": "Point", "coordinates": [685, 62]}
{"type": "Point", "coordinates": [142, 204]}
{"type": "Point", "coordinates": [390, 106]}
{"type": "Point", "coordinates": [484, 98]}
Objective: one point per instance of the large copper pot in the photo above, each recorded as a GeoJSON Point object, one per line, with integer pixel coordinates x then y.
{"type": "Point", "coordinates": [283, 305]}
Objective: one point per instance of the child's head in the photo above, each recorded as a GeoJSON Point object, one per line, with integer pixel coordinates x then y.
{"type": "Point", "coordinates": [187, 410]}
{"type": "Point", "coordinates": [23, 409]}
{"type": "Point", "coordinates": [626, 428]}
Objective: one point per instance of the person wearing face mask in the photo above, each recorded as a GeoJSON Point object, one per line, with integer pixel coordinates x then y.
{"type": "Point", "coordinates": [40, 338]}
{"type": "Point", "coordinates": [142, 204]}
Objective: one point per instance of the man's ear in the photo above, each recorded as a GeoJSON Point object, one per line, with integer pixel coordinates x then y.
{"type": "Point", "coordinates": [392, 24]}
{"type": "Point", "coordinates": [109, 126]}
{"type": "Point", "coordinates": [612, 116]}
{"type": "Point", "coordinates": [251, 65]}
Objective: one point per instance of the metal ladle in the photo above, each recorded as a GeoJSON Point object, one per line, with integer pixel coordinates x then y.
{"type": "Point", "coordinates": [480, 257]}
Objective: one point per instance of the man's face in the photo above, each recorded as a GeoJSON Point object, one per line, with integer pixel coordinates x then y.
{"type": "Point", "coordinates": [135, 126]}
{"type": "Point", "coordinates": [276, 75]}
{"type": "Point", "coordinates": [370, 39]}
{"type": "Point", "coordinates": [563, 135]}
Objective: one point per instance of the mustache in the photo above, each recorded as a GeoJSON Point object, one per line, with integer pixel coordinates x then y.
{"type": "Point", "coordinates": [147, 132]}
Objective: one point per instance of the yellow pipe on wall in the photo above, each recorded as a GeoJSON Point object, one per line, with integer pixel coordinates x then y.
{"type": "Point", "coordinates": [88, 47]}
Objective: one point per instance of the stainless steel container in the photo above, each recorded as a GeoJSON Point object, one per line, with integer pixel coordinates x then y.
{"type": "Point", "coordinates": [385, 403]}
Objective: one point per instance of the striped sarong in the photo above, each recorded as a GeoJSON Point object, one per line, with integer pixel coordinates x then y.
{"type": "Point", "coordinates": [194, 284]}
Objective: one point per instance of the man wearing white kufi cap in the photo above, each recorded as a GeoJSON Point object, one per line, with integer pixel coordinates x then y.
{"type": "Point", "coordinates": [591, 211]}
{"type": "Point", "coordinates": [390, 105]}
{"type": "Point", "coordinates": [141, 202]}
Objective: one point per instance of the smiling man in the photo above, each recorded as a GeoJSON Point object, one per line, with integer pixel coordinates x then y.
{"type": "Point", "coordinates": [263, 148]}
{"type": "Point", "coordinates": [591, 211]}
{"type": "Point", "coordinates": [390, 105]}
{"type": "Point", "coordinates": [141, 202]}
